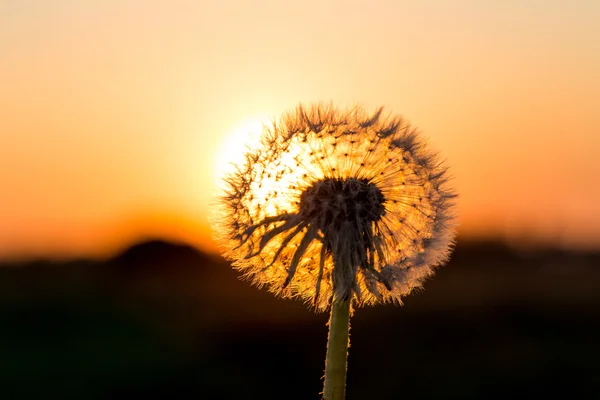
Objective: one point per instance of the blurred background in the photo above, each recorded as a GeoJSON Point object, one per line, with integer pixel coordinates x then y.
{"type": "Point", "coordinates": [118, 118]}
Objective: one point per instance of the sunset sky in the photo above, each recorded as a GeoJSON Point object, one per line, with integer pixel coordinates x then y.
{"type": "Point", "coordinates": [116, 116]}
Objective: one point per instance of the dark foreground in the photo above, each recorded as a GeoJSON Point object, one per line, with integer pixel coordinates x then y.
{"type": "Point", "coordinates": [164, 321]}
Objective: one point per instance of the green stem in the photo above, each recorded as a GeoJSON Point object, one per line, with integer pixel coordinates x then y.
{"type": "Point", "coordinates": [337, 351]}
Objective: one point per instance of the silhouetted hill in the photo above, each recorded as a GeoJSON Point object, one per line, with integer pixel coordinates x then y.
{"type": "Point", "coordinates": [159, 256]}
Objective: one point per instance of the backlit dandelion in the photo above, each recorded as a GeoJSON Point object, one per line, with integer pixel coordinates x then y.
{"type": "Point", "coordinates": [337, 206]}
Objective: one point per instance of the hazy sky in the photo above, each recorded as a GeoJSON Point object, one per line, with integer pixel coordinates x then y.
{"type": "Point", "coordinates": [113, 113]}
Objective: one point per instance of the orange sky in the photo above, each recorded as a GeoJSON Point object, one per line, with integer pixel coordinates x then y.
{"type": "Point", "coordinates": [112, 113]}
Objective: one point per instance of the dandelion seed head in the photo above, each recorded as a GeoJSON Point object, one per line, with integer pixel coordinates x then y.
{"type": "Point", "coordinates": [337, 204]}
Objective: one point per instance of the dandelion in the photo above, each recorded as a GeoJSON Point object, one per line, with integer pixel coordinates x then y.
{"type": "Point", "coordinates": [339, 208]}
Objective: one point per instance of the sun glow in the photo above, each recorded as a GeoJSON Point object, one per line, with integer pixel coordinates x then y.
{"type": "Point", "coordinates": [244, 138]}
{"type": "Point", "coordinates": [240, 138]}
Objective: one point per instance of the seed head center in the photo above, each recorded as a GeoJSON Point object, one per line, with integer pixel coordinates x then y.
{"type": "Point", "coordinates": [334, 203]}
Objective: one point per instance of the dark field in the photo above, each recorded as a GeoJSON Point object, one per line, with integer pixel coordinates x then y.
{"type": "Point", "coordinates": [164, 321]}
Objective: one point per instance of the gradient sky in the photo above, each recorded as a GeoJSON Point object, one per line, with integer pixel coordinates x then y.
{"type": "Point", "coordinates": [116, 115]}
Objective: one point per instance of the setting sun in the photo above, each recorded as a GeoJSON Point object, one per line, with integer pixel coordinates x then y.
{"type": "Point", "coordinates": [234, 145]}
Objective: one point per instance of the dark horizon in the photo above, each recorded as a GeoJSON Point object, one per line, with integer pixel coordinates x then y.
{"type": "Point", "coordinates": [163, 319]}
{"type": "Point", "coordinates": [496, 241]}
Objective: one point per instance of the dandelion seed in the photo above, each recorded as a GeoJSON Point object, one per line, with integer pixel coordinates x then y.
{"type": "Point", "coordinates": [355, 205]}
{"type": "Point", "coordinates": [360, 212]}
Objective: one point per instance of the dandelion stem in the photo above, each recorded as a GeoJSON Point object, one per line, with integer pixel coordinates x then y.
{"type": "Point", "coordinates": [337, 351]}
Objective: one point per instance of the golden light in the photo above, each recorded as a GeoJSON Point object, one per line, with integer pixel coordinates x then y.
{"type": "Point", "coordinates": [324, 179]}
{"type": "Point", "coordinates": [233, 147]}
